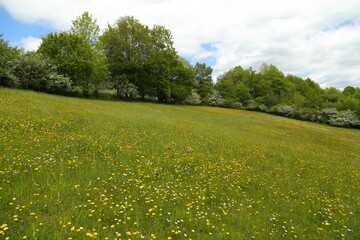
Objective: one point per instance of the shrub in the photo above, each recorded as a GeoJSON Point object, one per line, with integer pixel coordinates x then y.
{"type": "Point", "coordinates": [251, 105]}
{"type": "Point", "coordinates": [215, 99]}
{"type": "Point", "coordinates": [58, 84]}
{"type": "Point", "coordinates": [193, 99]}
{"type": "Point", "coordinates": [32, 71]}
{"type": "Point", "coordinates": [326, 114]}
{"type": "Point", "coordinates": [308, 114]}
{"type": "Point", "coordinates": [284, 110]}
{"type": "Point", "coordinates": [127, 90]}
{"type": "Point", "coordinates": [262, 108]}
{"type": "Point", "coordinates": [237, 105]}
{"type": "Point", "coordinates": [346, 118]}
{"type": "Point", "coordinates": [296, 114]}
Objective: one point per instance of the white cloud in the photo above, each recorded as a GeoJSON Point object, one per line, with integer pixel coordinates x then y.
{"type": "Point", "coordinates": [30, 43]}
{"type": "Point", "coordinates": [297, 36]}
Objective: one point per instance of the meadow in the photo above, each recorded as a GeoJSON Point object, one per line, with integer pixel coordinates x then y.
{"type": "Point", "coordinates": [84, 169]}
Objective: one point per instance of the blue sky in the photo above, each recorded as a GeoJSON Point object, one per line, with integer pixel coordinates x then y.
{"type": "Point", "coordinates": [14, 31]}
{"type": "Point", "coordinates": [307, 38]}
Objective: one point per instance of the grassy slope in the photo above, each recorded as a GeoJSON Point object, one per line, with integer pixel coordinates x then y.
{"type": "Point", "coordinates": [75, 168]}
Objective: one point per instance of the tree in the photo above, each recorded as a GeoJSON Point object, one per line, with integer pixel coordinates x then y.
{"type": "Point", "coordinates": [72, 55]}
{"type": "Point", "coordinates": [332, 95]}
{"type": "Point", "coordinates": [7, 55]}
{"type": "Point", "coordinates": [203, 81]}
{"type": "Point", "coordinates": [164, 66]}
{"type": "Point", "coordinates": [226, 83]}
{"type": "Point", "coordinates": [181, 81]}
{"type": "Point", "coordinates": [126, 46]}
{"type": "Point", "coordinates": [275, 78]}
{"type": "Point", "coordinates": [349, 91]}
{"type": "Point", "coordinates": [87, 28]}
{"type": "Point", "coordinates": [146, 58]}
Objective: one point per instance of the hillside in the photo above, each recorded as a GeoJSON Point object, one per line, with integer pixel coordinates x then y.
{"type": "Point", "coordinates": [80, 169]}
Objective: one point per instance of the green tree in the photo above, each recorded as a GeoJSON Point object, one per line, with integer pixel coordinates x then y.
{"type": "Point", "coordinates": [146, 58]}
{"type": "Point", "coordinates": [332, 95]}
{"type": "Point", "coordinates": [126, 45]}
{"type": "Point", "coordinates": [72, 55]}
{"type": "Point", "coordinates": [181, 81]}
{"type": "Point", "coordinates": [87, 28]}
{"type": "Point", "coordinates": [7, 55]}
{"type": "Point", "coordinates": [349, 91]}
{"type": "Point", "coordinates": [163, 63]}
{"type": "Point", "coordinates": [275, 78]}
{"type": "Point", "coordinates": [242, 92]}
{"type": "Point", "coordinates": [203, 81]}
{"type": "Point", "coordinates": [226, 84]}
{"type": "Point", "coordinates": [237, 85]}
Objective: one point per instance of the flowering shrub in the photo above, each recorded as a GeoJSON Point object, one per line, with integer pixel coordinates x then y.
{"type": "Point", "coordinates": [284, 110]}
{"type": "Point", "coordinates": [215, 99]}
{"type": "Point", "coordinates": [237, 105]}
{"type": "Point", "coordinates": [345, 119]}
{"type": "Point", "coordinates": [326, 114]}
{"type": "Point", "coordinates": [193, 99]}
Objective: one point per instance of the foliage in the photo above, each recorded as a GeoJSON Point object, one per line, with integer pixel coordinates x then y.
{"type": "Point", "coordinates": [215, 99]}
{"type": "Point", "coordinates": [346, 118]}
{"type": "Point", "coordinates": [72, 55]}
{"type": "Point", "coordinates": [7, 55]}
{"type": "Point", "coordinates": [334, 117]}
{"type": "Point", "coordinates": [125, 45]}
{"type": "Point", "coordinates": [146, 58]}
{"type": "Point", "coordinates": [291, 96]}
{"type": "Point", "coordinates": [284, 110]}
{"type": "Point", "coordinates": [326, 114]}
{"type": "Point", "coordinates": [308, 114]}
{"type": "Point", "coordinates": [33, 71]}
{"type": "Point", "coordinates": [87, 28]}
{"type": "Point", "coordinates": [126, 90]}
{"type": "Point", "coordinates": [203, 81]}
{"type": "Point", "coordinates": [193, 99]}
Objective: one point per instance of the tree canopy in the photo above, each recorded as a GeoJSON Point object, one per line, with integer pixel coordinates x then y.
{"type": "Point", "coordinates": [144, 57]}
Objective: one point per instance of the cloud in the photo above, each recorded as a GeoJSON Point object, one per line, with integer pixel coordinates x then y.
{"type": "Point", "coordinates": [30, 43]}
{"type": "Point", "coordinates": [320, 38]}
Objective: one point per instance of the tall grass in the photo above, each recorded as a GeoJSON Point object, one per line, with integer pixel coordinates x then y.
{"type": "Point", "coordinates": [81, 169]}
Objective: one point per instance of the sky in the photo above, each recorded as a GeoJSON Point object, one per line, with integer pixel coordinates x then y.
{"type": "Point", "coordinates": [316, 39]}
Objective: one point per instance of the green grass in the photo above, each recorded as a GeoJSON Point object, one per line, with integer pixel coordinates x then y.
{"type": "Point", "coordinates": [81, 169]}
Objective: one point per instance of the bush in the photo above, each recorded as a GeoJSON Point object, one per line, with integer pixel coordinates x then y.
{"type": "Point", "coordinates": [59, 84]}
{"type": "Point", "coordinates": [346, 118]}
{"type": "Point", "coordinates": [32, 71]}
{"type": "Point", "coordinates": [237, 105]}
{"type": "Point", "coordinates": [215, 99]}
{"type": "Point", "coordinates": [326, 114]}
{"type": "Point", "coordinates": [308, 114]}
{"type": "Point", "coordinates": [126, 90]}
{"type": "Point", "coordinates": [296, 114]}
{"type": "Point", "coordinates": [251, 105]}
{"type": "Point", "coordinates": [193, 99]}
{"type": "Point", "coordinates": [284, 110]}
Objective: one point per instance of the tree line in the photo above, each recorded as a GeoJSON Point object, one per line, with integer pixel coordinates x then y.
{"type": "Point", "coordinates": [130, 60]}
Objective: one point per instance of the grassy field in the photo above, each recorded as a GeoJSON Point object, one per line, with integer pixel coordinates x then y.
{"type": "Point", "coordinates": [81, 169]}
